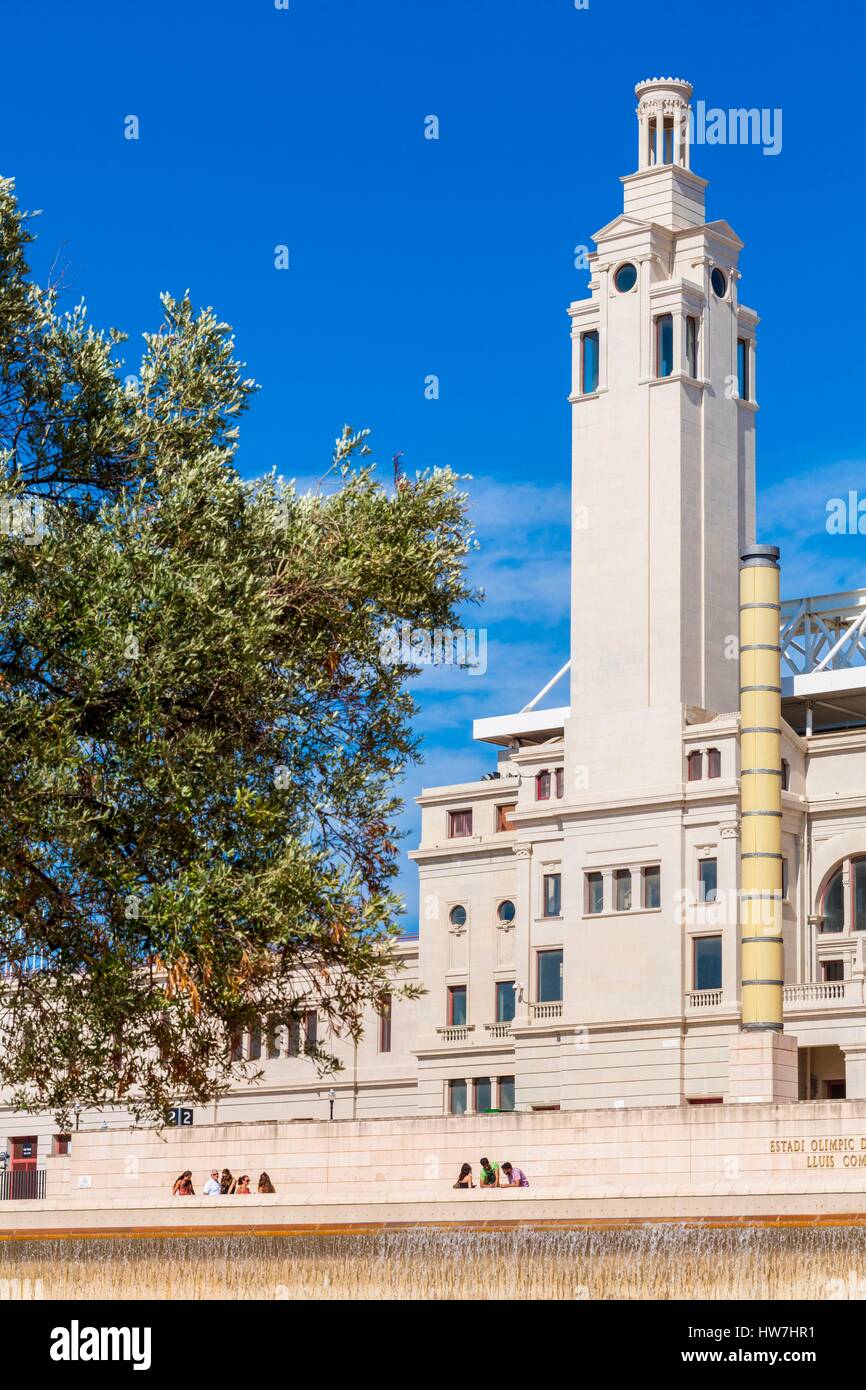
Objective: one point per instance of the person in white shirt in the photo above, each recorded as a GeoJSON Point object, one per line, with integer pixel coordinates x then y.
{"type": "Point", "coordinates": [212, 1186]}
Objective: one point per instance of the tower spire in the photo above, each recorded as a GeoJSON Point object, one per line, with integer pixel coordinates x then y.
{"type": "Point", "coordinates": [663, 121]}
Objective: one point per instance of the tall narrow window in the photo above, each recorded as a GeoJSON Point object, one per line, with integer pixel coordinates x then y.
{"type": "Point", "coordinates": [859, 894]}
{"type": "Point", "coordinates": [692, 345]}
{"type": "Point", "coordinates": [456, 1006]}
{"type": "Point", "coordinates": [456, 1097]}
{"type": "Point", "coordinates": [708, 880]}
{"type": "Point", "coordinates": [542, 786]}
{"type": "Point", "coordinates": [695, 764]}
{"type": "Point", "coordinates": [743, 368]}
{"type": "Point", "coordinates": [833, 905]}
{"type": "Point", "coordinates": [552, 895]}
{"type": "Point", "coordinates": [311, 1029]}
{"type": "Point", "coordinates": [504, 1001]}
{"type": "Point", "coordinates": [652, 886]}
{"type": "Point", "coordinates": [784, 880]}
{"type": "Point", "coordinates": [385, 1024]}
{"type": "Point", "coordinates": [459, 824]}
{"type": "Point", "coordinates": [483, 1095]}
{"type": "Point", "coordinates": [506, 1093]}
{"type": "Point", "coordinates": [664, 344]}
{"type": "Point", "coordinates": [589, 362]}
{"type": "Point", "coordinates": [786, 775]}
{"type": "Point", "coordinates": [708, 962]}
{"type": "Point", "coordinates": [549, 977]}
{"type": "Point", "coordinates": [622, 889]}
{"type": "Point", "coordinates": [503, 818]}
{"type": "Point", "coordinates": [594, 893]}
{"type": "Point", "coordinates": [559, 778]}
{"type": "Point", "coordinates": [714, 762]}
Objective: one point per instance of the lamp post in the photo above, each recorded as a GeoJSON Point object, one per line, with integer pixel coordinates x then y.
{"type": "Point", "coordinates": [332, 1096]}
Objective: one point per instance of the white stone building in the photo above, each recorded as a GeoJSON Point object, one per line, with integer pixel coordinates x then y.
{"type": "Point", "coordinates": [579, 940]}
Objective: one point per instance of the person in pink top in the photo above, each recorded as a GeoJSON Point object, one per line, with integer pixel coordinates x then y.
{"type": "Point", "coordinates": [515, 1177]}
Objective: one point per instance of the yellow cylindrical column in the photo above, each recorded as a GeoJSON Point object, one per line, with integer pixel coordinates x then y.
{"type": "Point", "coordinates": [763, 959]}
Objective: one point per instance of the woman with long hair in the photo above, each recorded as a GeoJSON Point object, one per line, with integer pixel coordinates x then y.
{"type": "Point", "coordinates": [226, 1181]}
{"type": "Point", "coordinates": [464, 1178]}
{"type": "Point", "coordinates": [265, 1184]}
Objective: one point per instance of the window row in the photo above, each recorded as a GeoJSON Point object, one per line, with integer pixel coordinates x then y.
{"type": "Point", "coordinates": [460, 822]}
{"type": "Point", "coordinates": [623, 900]}
{"type": "Point", "coordinates": [272, 1039]}
{"type": "Point", "coordinates": [548, 990]}
{"type": "Point", "coordinates": [664, 364]}
{"type": "Point", "coordinates": [483, 1090]}
{"type": "Point", "coordinates": [695, 764]}
{"type": "Point", "coordinates": [505, 914]}
{"type": "Point", "coordinates": [546, 781]}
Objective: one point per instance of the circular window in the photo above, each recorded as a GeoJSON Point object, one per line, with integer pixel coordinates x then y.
{"type": "Point", "coordinates": [458, 917]}
{"type": "Point", "coordinates": [506, 911]}
{"type": "Point", "coordinates": [719, 282]}
{"type": "Point", "coordinates": [625, 278]}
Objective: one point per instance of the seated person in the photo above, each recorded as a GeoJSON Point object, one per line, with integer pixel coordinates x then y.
{"type": "Point", "coordinates": [514, 1177]}
{"type": "Point", "coordinates": [465, 1177]}
{"type": "Point", "coordinates": [489, 1173]}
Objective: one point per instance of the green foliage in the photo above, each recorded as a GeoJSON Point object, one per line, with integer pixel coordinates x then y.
{"type": "Point", "coordinates": [200, 735]}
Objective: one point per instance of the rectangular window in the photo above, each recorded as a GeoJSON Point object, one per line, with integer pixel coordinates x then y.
{"type": "Point", "coordinates": [708, 962]}
{"type": "Point", "coordinates": [483, 1094]}
{"type": "Point", "coordinates": [589, 362]}
{"type": "Point", "coordinates": [62, 1145]}
{"type": "Point", "coordinates": [385, 1025]}
{"type": "Point", "coordinates": [708, 881]}
{"type": "Point", "coordinates": [456, 1097]}
{"type": "Point", "coordinates": [714, 762]}
{"type": "Point", "coordinates": [652, 886]}
{"type": "Point", "coordinates": [503, 817]}
{"type": "Point", "coordinates": [552, 895]}
{"type": "Point", "coordinates": [295, 1038]}
{"type": "Point", "coordinates": [860, 894]}
{"type": "Point", "coordinates": [784, 880]}
{"type": "Point", "coordinates": [311, 1029]}
{"type": "Point", "coordinates": [506, 1093]}
{"type": "Point", "coordinates": [559, 776]}
{"type": "Point", "coordinates": [833, 970]}
{"type": "Point", "coordinates": [664, 345]}
{"type": "Point", "coordinates": [743, 368]}
{"type": "Point", "coordinates": [542, 786]}
{"type": "Point", "coordinates": [622, 889]}
{"type": "Point", "coordinates": [459, 824]}
{"type": "Point", "coordinates": [594, 893]}
{"type": "Point", "coordinates": [786, 775]}
{"type": "Point", "coordinates": [549, 977]}
{"type": "Point", "coordinates": [695, 764]}
{"type": "Point", "coordinates": [504, 1001]}
{"type": "Point", "coordinates": [692, 346]}
{"type": "Point", "coordinates": [255, 1043]}
{"type": "Point", "coordinates": [456, 1006]}
{"type": "Point", "coordinates": [236, 1047]}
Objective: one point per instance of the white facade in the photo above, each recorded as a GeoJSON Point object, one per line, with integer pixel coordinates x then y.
{"type": "Point", "coordinates": [602, 818]}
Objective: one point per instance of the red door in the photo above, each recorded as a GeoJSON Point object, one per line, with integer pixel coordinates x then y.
{"type": "Point", "coordinates": [24, 1167]}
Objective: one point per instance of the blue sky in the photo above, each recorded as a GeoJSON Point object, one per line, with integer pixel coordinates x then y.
{"type": "Point", "coordinates": [304, 127]}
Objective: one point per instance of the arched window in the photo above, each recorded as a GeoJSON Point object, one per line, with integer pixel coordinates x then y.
{"type": "Point", "coordinates": [542, 786]}
{"type": "Point", "coordinates": [843, 905]}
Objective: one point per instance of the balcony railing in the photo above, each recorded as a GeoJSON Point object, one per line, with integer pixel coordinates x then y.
{"type": "Point", "coordinates": [542, 1012]}
{"type": "Point", "coordinates": [832, 992]}
{"type": "Point", "coordinates": [499, 1030]}
{"type": "Point", "coordinates": [457, 1032]}
{"type": "Point", "coordinates": [703, 998]}
{"type": "Point", "coordinates": [22, 1184]}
